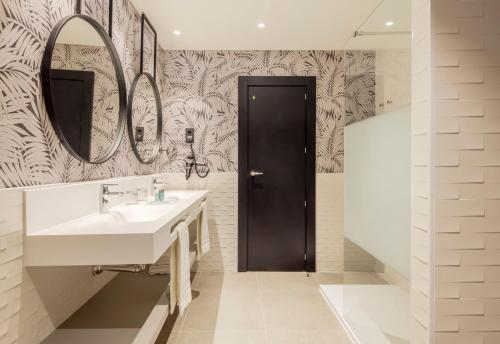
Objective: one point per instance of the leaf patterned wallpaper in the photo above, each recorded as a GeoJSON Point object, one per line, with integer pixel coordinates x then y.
{"type": "Point", "coordinates": [199, 89]}
{"type": "Point", "coordinates": [359, 85]}
{"type": "Point", "coordinates": [144, 115]}
{"type": "Point", "coordinates": [30, 152]}
{"type": "Point", "coordinates": [202, 92]}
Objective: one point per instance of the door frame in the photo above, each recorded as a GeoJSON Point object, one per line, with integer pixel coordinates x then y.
{"type": "Point", "coordinates": [243, 180]}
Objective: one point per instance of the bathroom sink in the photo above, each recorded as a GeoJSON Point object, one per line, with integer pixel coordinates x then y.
{"type": "Point", "coordinates": [139, 212]}
{"type": "Point", "coordinates": [127, 234]}
{"type": "Point", "coordinates": [172, 197]}
{"type": "Point", "coordinates": [181, 195]}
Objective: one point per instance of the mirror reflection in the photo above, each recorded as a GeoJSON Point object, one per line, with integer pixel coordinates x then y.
{"type": "Point", "coordinates": [145, 118]}
{"type": "Point", "coordinates": [85, 91]}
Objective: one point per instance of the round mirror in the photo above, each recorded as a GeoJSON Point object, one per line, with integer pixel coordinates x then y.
{"type": "Point", "coordinates": [84, 89]}
{"type": "Point", "coordinates": [145, 118]}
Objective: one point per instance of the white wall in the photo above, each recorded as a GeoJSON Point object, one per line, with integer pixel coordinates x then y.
{"type": "Point", "coordinates": [421, 226]}
{"type": "Point", "coordinates": [466, 170]}
{"type": "Point", "coordinates": [34, 301]}
{"type": "Point", "coordinates": [377, 187]}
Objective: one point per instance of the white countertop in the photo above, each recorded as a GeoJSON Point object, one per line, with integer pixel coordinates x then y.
{"type": "Point", "coordinates": [127, 234]}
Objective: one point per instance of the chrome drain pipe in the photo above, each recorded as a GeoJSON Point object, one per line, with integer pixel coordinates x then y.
{"type": "Point", "coordinates": [134, 268]}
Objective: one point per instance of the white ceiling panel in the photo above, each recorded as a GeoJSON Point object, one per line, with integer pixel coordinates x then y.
{"type": "Point", "coordinates": [233, 24]}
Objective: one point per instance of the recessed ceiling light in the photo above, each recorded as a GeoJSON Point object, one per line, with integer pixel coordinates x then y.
{"type": "Point", "coordinates": [177, 32]}
{"type": "Point", "coordinates": [389, 23]}
{"type": "Point", "coordinates": [261, 25]}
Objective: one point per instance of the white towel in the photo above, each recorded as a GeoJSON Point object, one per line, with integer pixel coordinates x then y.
{"type": "Point", "coordinates": [183, 268]}
{"type": "Point", "coordinates": [203, 236]}
{"type": "Point", "coordinates": [173, 277]}
{"type": "Point", "coordinates": [162, 266]}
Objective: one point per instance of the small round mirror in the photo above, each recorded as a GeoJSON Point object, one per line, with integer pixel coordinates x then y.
{"type": "Point", "coordinates": [84, 89]}
{"type": "Point", "coordinates": [145, 118]}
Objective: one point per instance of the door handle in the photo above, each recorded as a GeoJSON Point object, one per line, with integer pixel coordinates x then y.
{"type": "Point", "coordinates": [256, 173]}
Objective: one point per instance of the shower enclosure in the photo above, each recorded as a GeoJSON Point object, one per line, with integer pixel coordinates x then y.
{"type": "Point", "coordinates": [372, 299]}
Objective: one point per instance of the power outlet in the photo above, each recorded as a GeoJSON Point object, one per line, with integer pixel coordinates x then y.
{"type": "Point", "coordinates": [139, 134]}
{"type": "Point", "coordinates": [189, 135]}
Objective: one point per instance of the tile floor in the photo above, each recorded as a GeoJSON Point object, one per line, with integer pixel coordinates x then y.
{"type": "Point", "coordinates": [258, 307]}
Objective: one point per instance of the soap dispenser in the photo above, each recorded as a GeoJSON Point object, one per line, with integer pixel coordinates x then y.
{"type": "Point", "coordinates": [158, 190]}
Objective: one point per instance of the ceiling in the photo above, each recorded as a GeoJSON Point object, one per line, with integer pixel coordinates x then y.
{"type": "Point", "coordinates": [396, 11]}
{"type": "Point", "coordinates": [233, 24]}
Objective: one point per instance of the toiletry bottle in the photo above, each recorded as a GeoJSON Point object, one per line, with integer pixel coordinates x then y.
{"type": "Point", "coordinates": [161, 194]}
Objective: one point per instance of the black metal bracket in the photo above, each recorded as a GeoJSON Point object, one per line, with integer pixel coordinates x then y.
{"type": "Point", "coordinates": [145, 21]}
{"type": "Point", "coordinates": [78, 10]}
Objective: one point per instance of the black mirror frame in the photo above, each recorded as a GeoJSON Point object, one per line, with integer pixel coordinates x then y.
{"type": "Point", "coordinates": [47, 93]}
{"type": "Point", "coordinates": [159, 114]}
{"type": "Point", "coordinates": [145, 21]}
{"type": "Point", "coordinates": [78, 10]}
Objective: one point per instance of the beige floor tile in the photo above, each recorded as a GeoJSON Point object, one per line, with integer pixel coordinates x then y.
{"type": "Point", "coordinates": [222, 337]}
{"type": "Point", "coordinates": [226, 311]}
{"type": "Point", "coordinates": [329, 278]}
{"type": "Point", "coordinates": [349, 278]}
{"type": "Point", "coordinates": [286, 281]}
{"type": "Point", "coordinates": [229, 281]}
{"type": "Point", "coordinates": [297, 310]}
{"type": "Point", "coordinates": [307, 337]}
{"type": "Point", "coordinates": [265, 307]}
{"type": "Point", "coordinates": [362, 278]}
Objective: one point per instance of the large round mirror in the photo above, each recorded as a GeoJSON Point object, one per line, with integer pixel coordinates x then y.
{"type": "Point", "coordinates": [145, 118]}
{"type": "Point", "coordinates": [84, 89]}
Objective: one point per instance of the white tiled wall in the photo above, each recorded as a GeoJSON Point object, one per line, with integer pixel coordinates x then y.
{"type": "Point", "coordinates": [421, 173]}
{"type": "Point", "coordinates": [466, 80]}
{"type": "Point", "coordinates": [33, 302]}
{"type": "Point", "coordinates": [330, 222]}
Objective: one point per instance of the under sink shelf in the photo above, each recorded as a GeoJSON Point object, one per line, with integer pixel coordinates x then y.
{"type": "Point", "coordinates": [131, 309]}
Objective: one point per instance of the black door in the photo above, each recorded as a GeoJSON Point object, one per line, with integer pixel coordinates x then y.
{"type": "Point", "coordinates": [275, 175]}
{"type": "Point", "coordinates": [73, 94]}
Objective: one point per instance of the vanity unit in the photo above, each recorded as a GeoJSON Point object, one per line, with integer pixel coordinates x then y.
{"type": "Point", "coordinates": [65, 225]}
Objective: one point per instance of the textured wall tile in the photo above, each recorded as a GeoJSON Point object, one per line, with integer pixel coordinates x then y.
{"type": "Point", "coordinates": [460, 108]}
{"type": "Point", "coordinates": [485, 191]}
{"type": "Point", "coordinates": [479, 58]}
{"type": "Point", "coordinates": [459, 9]}
{"type": "Point", "coordinates": [480, 258]}
{"type": "Point", "coordinates": [447, 324]}
{"type": "Point", "coordinates": [480, 224]}
{"type": "Point", "coordinates": [461, 75]}
{"type": "Point", "coordinates": [460, 141]}
{"type": "Point", "coordinates": [447, 125]}
{"type": "Point", "coordinates": [480, 158]}
{"type": "Point", "coordinates": [484, 323]}
{"type": "Point", "coordinates": [459, 175]}
{"type": "Point", "coordinates": [459, 307]}
{"type": "Point", "coordinates": [459, 338]}
{"type": "Point", "coordinates": [480, 125]}
{"type": "Point", "coordinates": [447, 258]}
{"type": "Point", "coordinates": [458, 241]}
{"type": "Point", "coordinates": [459, 42]}
{"type": "Point", "coordinates": [460, 274]}
{"type": "Point", "coordinates": [448, 291]}
{"type": "Point", "coordinates": [472, 283]}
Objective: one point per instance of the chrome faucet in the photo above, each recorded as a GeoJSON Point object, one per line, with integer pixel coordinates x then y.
{"type": "Point", "coordinates": [106, 193]}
